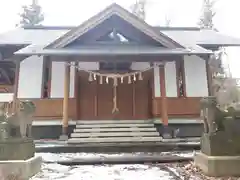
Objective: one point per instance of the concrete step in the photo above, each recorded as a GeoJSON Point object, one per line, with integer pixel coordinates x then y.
{"type": "Point", "coordinates": [115, 122]}
{"type": "Point", "coordinates": [127, 129]}
{"type": "Point", "coordinates": [113, 140]}
{"type": "Point", "coordinates": [84, 126]}
{"type": "Point", "coordinates": [115, 134]}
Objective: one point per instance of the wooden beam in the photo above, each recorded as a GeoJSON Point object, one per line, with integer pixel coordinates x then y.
{"type": "Point", "coordinates": [65, 100]}
{"type": "Point", "coordinates": [124, 58]}
{"type": "Point", "coordinates": [16, 81]}
{"type": "Point", "coordinates": [164, 108]}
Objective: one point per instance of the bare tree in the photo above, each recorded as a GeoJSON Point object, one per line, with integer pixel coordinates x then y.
{"type": "Point", "coordinates": [208, 14]}
{"type": "Point", "coordinates": [139, 8]}
{"type": "Point", "coordinates": [167, 21]}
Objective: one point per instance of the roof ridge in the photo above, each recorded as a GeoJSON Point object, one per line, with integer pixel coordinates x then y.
{"type": "Point", "coordinates": [180, 28]}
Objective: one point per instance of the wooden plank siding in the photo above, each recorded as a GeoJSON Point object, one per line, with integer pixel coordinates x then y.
{"type": "Point", "coordinates": [178, 107]}
{"type": "Point", "coordinates": [139, 103]}
{"type": "Point", "coordinates": [53, 109]}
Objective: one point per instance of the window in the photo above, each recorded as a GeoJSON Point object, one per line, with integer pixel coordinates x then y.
{"type": "Point", "coordinates": [180, 78]}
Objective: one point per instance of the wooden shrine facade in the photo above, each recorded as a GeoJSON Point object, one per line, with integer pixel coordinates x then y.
{"type": "Point", "coordinates": [115, 39]}
{"type": "Point", "coordinates": [60, 77]}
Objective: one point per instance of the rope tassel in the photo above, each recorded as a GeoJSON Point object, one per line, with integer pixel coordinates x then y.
{"type": "Point", "coordinates": [90, 78]}
{"type": "Point", "coordinates": [140, 77]}
{"type": "Point", "coordinates": [129, 80]}
{"type": "Point", "coordinates": [115, 81]}
{"type": "Point", "coordinates": [122, 79]}
{"type": "Point", "coordinates": [101, 80]}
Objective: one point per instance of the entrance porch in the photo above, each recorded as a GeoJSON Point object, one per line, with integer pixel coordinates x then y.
{"type": "Point", "coordinates": [115, 36]}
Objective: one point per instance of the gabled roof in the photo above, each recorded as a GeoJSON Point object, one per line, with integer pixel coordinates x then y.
{"type": "Point", "coordinates": [110, 11]}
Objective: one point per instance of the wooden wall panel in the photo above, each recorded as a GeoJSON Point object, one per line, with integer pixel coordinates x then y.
{"type": "Point", "coordinates": [86, 98]}
{"type": "Point", "coordinates": [53, 108]}
{"type": "Point", "coordinates": [178, 107]}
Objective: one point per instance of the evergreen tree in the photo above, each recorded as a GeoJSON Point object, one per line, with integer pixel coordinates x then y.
{"type": "Point", "coordinates": [32, 14]}
{"type": "Point", "coordinates": [224, 88]}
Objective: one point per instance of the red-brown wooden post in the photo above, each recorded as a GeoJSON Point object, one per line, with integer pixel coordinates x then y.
{"type": "Point", "coordinates": [16, 81]}
{"type": "Point", "coordinates": [164, 108]}
{"type": "Point", "coordinates": [65, 119]}
{"type": "Point", "coordinates": [164, 103]}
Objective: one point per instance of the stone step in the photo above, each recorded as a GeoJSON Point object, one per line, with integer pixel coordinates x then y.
{"type": "Point", "coordinates": [115, 122]}
{"type": "Point", "coordinates": [115, 134]}
{"type": "Point", "coordinates": [113, 140]}
{"type": "Point", "coordinates": [84, 126]}
{"type": "Point", "coordinates": [130, 129]}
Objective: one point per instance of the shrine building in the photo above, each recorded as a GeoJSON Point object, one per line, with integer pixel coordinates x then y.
{"type": "Point", "coordinates": [114, 66]}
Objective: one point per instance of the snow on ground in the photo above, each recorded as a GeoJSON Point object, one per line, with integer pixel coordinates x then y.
{"type": "Point", "coordinates": [103, 172]}
{"type": "Point", "coordinates": [175, 171]}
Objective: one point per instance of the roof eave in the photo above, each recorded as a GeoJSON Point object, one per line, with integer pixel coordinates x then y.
{"type": "Point", "coordinates": [42, 53]}
{"type": "Point", "coordinates": [218, 45]}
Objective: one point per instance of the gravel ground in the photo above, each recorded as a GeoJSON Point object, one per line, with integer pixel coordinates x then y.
{"type": "Point", "coordinates": [181, 171]}
{"type": "Point", "coordinates": [191, 172]}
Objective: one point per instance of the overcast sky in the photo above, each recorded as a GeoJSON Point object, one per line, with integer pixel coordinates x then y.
{"type": "Point", "coordinates": [181, 13]}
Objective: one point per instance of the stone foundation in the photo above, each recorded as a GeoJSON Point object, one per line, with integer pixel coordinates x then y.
{"type": "Point", "coordinates": [17, 149]}
{"type": "Point", "coordinates": [218, 166]}
{"type": "Point", "coordinates": [220, 144]}
{"type": "Point", "coordinates": [20, 169]}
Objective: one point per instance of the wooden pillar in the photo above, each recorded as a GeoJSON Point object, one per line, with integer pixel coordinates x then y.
{"type": "Point", "coordinates": [209, 78]}
{"type": "Point", "coordinates": [65, 100]}
{"type": "Point", "coordinates": [164, 107]}
{"type": "Point", "coordinates": [16, 81]}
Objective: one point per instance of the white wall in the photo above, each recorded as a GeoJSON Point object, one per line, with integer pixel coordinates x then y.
{"type": "Point", "coordinates": [30, 77]}
{"type": "Point", "coordinates": [92, 66]}
{"type": "Point", "coordinates": [6, 97]}
{"type": "Point", "coordinates": [138, 66]}
{"type": "Point", "coordinates": [195, 76]}
{"type": "Point", "coordinates": [57, 81]}
{"type": "Point", "coordinates": [157, 90]}
{"type": "Point", "coordinates": [171, 79]}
